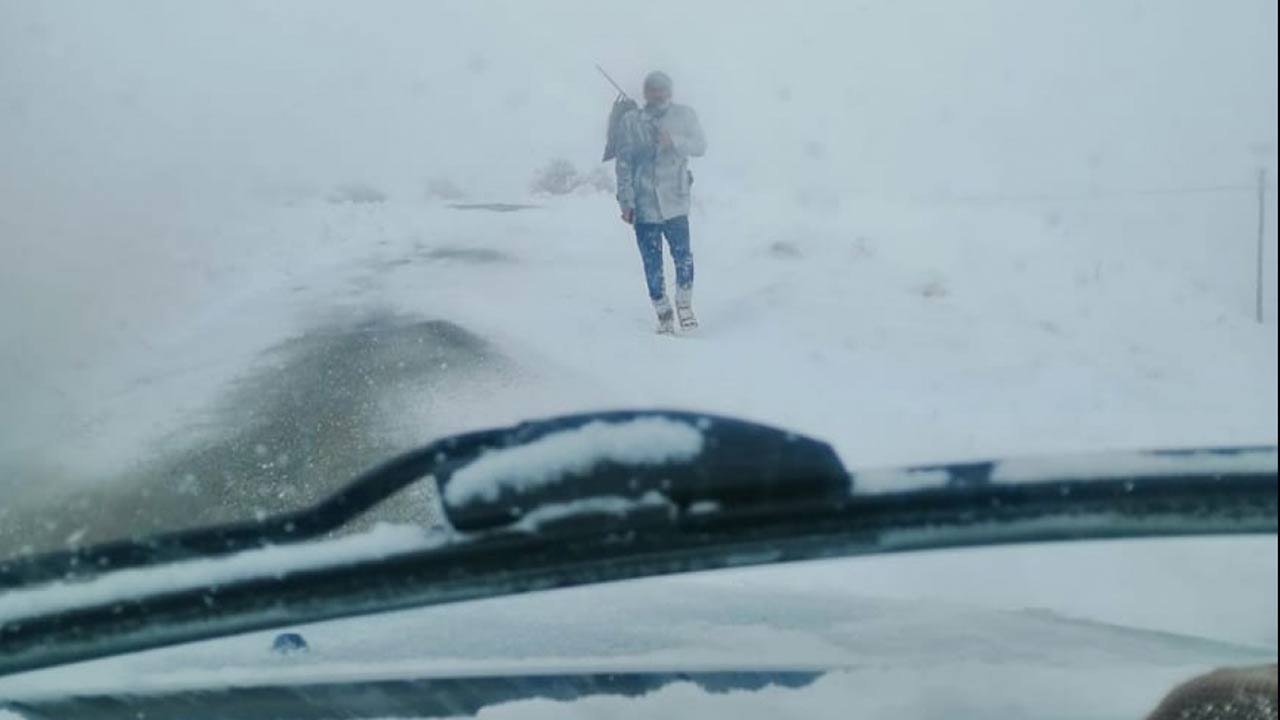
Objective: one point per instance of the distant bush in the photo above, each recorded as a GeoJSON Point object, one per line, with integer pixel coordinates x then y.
{"type": "Point", "coordinates": [784, 249]}
{"type": "Point", "coordinates": [862, 248]}
{"type": "Point", "coordinates": [357, 193]}
{"type": "Point", "coordinates": [558, 177]}
{"type": "Point", "coordinates": [933, 290]}
{"type": "Point", "coordinates": [444, 189]}
{"type": "Point", "coordinates": [599, 180]}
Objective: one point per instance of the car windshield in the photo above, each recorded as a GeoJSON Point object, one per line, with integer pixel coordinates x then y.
{"type": "Point", "coordinates": [252, 249]}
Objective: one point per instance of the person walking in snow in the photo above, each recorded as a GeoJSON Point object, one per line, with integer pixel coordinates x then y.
{"type": "Point", "coordinates": [655, 143]}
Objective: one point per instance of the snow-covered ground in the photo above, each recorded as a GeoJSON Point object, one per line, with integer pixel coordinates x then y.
{"type": "Point", "coordinates": [945, 218]}
{"type": "Point", "coordinates": [1015, 233]}
{"type": "Point", "coordinates": [899, 333]}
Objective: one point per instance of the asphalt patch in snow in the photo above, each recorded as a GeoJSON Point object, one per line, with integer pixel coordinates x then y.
{"type": "Point", "coordinates": [785, 250]}
{"type": "Point", "coordinates": [451, 254]}
{"type": "Point", "coordinates": [475, 256]}
{"type": "Point", "coordinates": [313, 413]}
{"type": "Point", "coordinates": [493, 207]}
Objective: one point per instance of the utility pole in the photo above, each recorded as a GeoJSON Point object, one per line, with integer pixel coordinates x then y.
{"type": "Point", "coordinates": [1262, 223]}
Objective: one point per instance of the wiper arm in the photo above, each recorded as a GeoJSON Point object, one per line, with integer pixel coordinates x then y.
{"type": "Point", "coordinates": [751, 495]}
{"type": "Point", "coordinates": [739, 462]}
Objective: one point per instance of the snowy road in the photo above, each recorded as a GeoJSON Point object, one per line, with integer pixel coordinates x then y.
{"type": "Point", "coordinates": [336, 335]}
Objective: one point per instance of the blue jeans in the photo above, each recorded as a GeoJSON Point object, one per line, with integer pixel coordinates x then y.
{"type": "Point", "coordinates": [649, 239]}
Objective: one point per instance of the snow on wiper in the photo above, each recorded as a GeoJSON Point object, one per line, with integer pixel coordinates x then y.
{"type": "Point", "coordinates": [646, 459]}
{"type": "Point", "coordinates": [568, 454]}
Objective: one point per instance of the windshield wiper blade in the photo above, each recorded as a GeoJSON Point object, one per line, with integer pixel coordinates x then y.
{"type": "Point", "coordinates": [775, 497]}
{"type": "Point", "coordinates": [597, 549]}
{"type": "Point", "coordinates": [738, 461]}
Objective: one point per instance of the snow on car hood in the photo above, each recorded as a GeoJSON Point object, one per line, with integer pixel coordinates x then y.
{"type": "Point", "coordinates": [882, 654]}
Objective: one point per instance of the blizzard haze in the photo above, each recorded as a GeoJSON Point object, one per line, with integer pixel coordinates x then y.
{"type": "Point", "coordinates": [928, 230]}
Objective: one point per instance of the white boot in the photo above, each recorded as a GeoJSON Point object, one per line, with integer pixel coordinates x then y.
{"type": "Point", "coordinates": [684, 308]}
{"type": "Point", "coordinates": [666, 316]}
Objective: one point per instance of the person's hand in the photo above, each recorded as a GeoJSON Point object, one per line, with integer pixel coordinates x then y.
{"type": "Point", "coordinates": [664, 139]}
{"type": "Point", "coordinates": [629, 216]}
